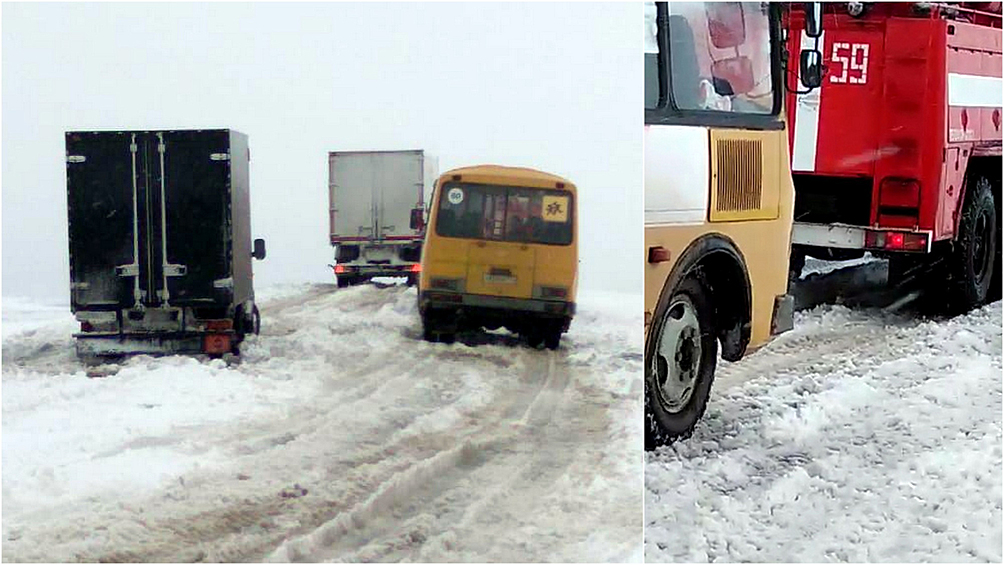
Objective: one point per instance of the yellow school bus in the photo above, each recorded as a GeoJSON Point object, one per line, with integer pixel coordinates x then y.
{"type": "Point", "coordinates": [501, 250]}
{"type": "Point", "coordinates": [718, 198]}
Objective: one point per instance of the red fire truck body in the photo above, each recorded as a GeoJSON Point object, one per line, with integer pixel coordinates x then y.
{"type": "Point", "coordinates": [906, 124]}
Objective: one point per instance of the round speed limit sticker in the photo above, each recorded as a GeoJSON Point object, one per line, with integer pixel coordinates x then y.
{"type": "Point", "coordinates": [455, 196]}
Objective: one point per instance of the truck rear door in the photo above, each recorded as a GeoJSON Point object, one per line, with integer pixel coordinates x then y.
{"type": "Point", "coordinates": [196, 175]}
{"type": "Point", "coordinates": [397, 190]}
{"type": "Point", "coordinates": [100, 188]}
{"type": "Point", "coordinates": [352, 177]}
{"type": "Point", "coordinates": [148, 212]}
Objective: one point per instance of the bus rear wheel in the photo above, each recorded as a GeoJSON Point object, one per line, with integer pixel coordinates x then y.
{"type": "Point", "coordinates": [434, 329]}
{"type": "Point", "coordinates": [679, 364]}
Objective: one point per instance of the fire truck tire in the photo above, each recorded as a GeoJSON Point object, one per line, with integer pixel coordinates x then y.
{"type": "Point", "coordinates": [345, 281]}
{"type": "Point", "coordinates": [975, 250]}
{"type": "Point", "coordinates": [795, 264]}
{"type": "Point", "coordinates": [683, 323]}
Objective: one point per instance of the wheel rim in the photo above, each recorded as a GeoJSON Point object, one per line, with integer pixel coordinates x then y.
{"type": "Point", "coordinates": [677, 358]}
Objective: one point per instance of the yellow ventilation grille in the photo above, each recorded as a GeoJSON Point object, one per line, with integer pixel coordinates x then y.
{"type": "Point", "coordinates": [740, 187]}
{"type": "Point", "coordinates": [740, 175]}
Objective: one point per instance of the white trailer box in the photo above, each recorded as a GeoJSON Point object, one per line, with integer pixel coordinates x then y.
{"type": "Point", "coordinates": [377, 211]}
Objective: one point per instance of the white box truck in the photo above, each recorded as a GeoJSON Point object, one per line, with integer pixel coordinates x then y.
{"type": "Point", "coordinates": [378, 212]}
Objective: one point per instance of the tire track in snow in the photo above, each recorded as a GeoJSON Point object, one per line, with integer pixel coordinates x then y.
{"type": "Point", "coordinates": [400, 450]}
{"type": "Point", "coordinates": [366, 533]}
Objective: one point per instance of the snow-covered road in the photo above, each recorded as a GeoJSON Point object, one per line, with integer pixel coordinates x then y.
{"type": "Point", "coordinates": [861, 435]}
{"type": "Point", "coordinates": [341, 436]}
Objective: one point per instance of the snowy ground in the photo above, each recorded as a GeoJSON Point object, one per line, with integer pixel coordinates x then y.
{"type": "Point", "coordinates": [861, 435]}
{"type": "Point", "coordinates": [341, 436]}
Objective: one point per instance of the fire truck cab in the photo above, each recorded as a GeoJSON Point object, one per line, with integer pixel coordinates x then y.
{"type": "Point", "coordinates": [899, 152]}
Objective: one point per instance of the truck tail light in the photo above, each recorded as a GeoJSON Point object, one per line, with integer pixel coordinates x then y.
{"type": "Point", "coordinates": [416, 268]}
{"type": "Point", "coordinates": [86, 327]}
{"type": "Point", "coordinates": [896, 241]}
{"type": "Point", "coordinates": [339, 269]}
{"type": "Point", "coordinates": [216, 343]}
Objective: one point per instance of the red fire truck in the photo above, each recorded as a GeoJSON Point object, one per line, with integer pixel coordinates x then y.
{"type": "Point", "coordinates": [899, 152]}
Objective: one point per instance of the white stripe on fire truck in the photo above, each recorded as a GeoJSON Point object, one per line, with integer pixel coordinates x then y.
{"type": "Point", "coordinates": [803, 154]}
{"type": "Point", "coordinates": [974, 91]}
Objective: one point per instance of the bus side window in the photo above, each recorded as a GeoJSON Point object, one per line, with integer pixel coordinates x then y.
{"type": "Point", "coordinates": [686, 75]}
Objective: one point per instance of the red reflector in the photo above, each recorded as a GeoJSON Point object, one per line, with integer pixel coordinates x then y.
{"type": "Point", "coordinates": [894, 240]}
{"type": "Point", "coordinates": [86, 327]}
{"type": "Point", "coordinates": [416, 268]}
{"type": "Point", "coordinates": [339, 269]}
{"type": "Point", "coordinates": [216, 343]}
{"type": "Point", "coordinates": [658, 254]}
{"type": "Point", "coordinates": [219, 324]}
{"type": "Point", "coordinates": [552, 292]}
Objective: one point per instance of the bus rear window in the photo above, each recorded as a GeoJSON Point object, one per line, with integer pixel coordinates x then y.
{"type": "Point", "coordinates": [505, 213]}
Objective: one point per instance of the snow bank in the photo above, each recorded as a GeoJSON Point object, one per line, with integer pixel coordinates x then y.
{"type": "Point", "coordinates": [856, 437]}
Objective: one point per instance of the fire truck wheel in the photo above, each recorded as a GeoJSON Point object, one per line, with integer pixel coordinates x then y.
{"type": "Point", "coordinates": [679, 364]}
{"type": "Point", "coordinates": [795, 265]}
{"type": "Point", "coordinates": [972, 261]}
{"type": "Point", "coordinates": [345, 281]}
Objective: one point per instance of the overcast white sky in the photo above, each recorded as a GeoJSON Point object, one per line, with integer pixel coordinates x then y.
{"type": "Point", "coordinates": [556, 87]}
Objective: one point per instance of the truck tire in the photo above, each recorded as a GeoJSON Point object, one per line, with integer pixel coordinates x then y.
{"type": "Point", "coordinates": [971, 264]}
{"type": "Point", "coordinates": [344, 281]}
{"type": "Point", "coordinates": [679, 364]}
{"type": "Point", "coordinates": [796, 262]}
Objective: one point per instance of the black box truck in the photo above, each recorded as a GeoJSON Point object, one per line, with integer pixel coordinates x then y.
{"type": "Point", "coordinates": [160, 241]}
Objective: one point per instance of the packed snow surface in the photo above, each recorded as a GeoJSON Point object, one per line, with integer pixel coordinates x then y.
{"type": "Point", "coordinates": [859, 436]}
{"type": "Point", "coordinates": [340, 436]}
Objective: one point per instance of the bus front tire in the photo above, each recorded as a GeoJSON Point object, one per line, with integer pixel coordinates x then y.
{"type": "Point", "coordinates": [679, 364]}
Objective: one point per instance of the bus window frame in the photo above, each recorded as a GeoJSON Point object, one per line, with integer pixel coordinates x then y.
{"type": "Point", "coordinates": [667, 112]}
{"type": "Point", "coordinates": [436, 200]}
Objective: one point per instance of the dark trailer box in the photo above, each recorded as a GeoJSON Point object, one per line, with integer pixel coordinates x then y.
{"type": "Point", "coordinates": [159, 238]}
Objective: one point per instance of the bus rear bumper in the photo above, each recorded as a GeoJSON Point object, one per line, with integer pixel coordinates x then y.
{"type": "Point", "coordinates": [499, 307]}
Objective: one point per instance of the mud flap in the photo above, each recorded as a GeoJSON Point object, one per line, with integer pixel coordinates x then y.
{"type": "Point", "coordinates": [783, 318]}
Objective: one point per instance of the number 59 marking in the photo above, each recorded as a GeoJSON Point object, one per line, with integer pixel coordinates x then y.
{"type": "Point", "coordinates": [852, 58]}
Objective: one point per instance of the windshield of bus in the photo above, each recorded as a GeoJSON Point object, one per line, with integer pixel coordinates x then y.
{"type": "Point", "coordinates": [719, 57]}
{"type": "Point", "coordinates": [505, 213]}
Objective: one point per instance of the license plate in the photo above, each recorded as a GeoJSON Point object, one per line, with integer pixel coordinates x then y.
{"type": "Point", "coordinates": [500, 279]}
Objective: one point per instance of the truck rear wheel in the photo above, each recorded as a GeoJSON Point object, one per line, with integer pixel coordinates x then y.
{"type": "Point", "coordinates": [344, 281]}
{"type": "Point", "coordinates": [975, 250]}
{"type": "Point", "coordinates": [679, 364]}
{"type": "Point", "coordinates": [796, 262]}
